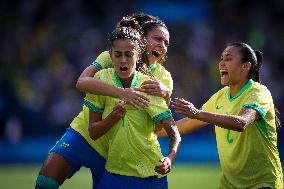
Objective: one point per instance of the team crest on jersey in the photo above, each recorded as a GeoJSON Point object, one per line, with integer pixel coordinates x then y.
{"type": "Point", "coordinates": [64, 145]}
{"type": "Point", "coordinates": [218, 107]}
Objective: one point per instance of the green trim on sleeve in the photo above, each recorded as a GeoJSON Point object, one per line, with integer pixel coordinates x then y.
{"type": "Point", "coordinates": [261, 123]}
{"type": "Point", "coordinates": [249, 83]}
{"type": "Point", "coordinates": [162, 116]}
{"type": "Point", "coordinates": [97, 65]}
{"type": "Point", "coordinates": [256, 108]}
{"type": "Point", "coordinates": [93, 107]}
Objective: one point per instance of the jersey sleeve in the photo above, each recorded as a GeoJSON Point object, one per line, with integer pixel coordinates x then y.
{"type": "Point", "coordinates": [260, 100]}
{"type": "Point", "coordinates": [96, 103]}
{"type": "Point", "coordinates": [158, 108]}
{"type": "Point", "coordinates": [103, 61]}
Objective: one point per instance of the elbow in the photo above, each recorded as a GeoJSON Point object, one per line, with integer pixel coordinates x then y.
{"type": "Point", "coordinates": [178, 137]}
{"type": "Point", "coordinates": [79, 84]}
{"type": "Point", "coordinates": [93, 134]}
{"type": "Point", "coordinates": [241, 126]}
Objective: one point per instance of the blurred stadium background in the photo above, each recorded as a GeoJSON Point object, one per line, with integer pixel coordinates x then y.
{"type": "Point", "coordinates": [46, 44]}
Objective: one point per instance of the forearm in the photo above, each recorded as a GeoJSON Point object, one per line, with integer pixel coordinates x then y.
{"type": "Point", "coordinates": [185, 126]}
{"type": "Point", "coordinates": [99, 128]}
{"type": "Point", "coordinates": [167, 97]}
{"type": "Point", "coordinates": [174, 143]}
{"type": "Point", "coordinates": [174, 139]}
{"type": "Point", "coordinates": [233, 122]}
{"type": "Point", "coordinates": [97, 87]}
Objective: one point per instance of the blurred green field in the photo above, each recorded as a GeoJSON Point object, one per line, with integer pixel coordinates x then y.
{"type": "Point", "coordinates": [182, 176]}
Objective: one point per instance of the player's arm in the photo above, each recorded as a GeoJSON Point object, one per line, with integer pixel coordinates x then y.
{"type": "Point", "coordinates": [86, 83]}
{"type": "Point", "coordinates": [174, 143]}
{"type": "Point", "coordinates": [185, 126]}
{"type": "Point", "coordinates": [98, 126]}
{"type": "Point", "coordinates": [234, 122]}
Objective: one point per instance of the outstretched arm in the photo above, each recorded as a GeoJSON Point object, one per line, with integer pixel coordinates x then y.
{"type": "Point", "coordinates": [234, 122]}
{"type": "Point", "coordinates": [99, 126]}
{"type": "Point", "coordinates": [166, 163]}
{"type": "Point", "coordinates": [185, 126]}
{"type": "Point", "coordinates": [86, 83]}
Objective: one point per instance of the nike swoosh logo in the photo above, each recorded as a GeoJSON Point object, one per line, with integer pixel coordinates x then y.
{"type": "Point", "coordinates": [218, 107]}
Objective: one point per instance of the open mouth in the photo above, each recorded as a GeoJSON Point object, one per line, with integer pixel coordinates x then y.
{"type": "Point", "coordinates": [157, 54]}
{"type": "Point", "coordinates": [123, 68]}
{"type": "Point", "coordinates": [223, 73]}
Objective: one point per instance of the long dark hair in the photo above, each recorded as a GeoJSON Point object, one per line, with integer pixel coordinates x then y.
{"type": "Point", "coordinates": [255, 57]}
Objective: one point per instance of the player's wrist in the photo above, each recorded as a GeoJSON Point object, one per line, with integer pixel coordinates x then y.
{"type": "Point", "coordinates": [120, 93]}
{"type": "Point", "coordinates": [172, 157]}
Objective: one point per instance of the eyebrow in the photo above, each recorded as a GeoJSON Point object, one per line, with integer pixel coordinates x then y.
{"type": "Point", "coordinates": [226, 54]}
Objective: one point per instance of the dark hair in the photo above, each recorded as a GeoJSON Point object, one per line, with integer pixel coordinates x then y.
{"type": "Point", "coordinates": [139, 17]}
{"type": "Point", "coordinates": [252, 56]}
{"type": "Point", "coordinates": [255, 57]}
{"type": "Point", "coordinates": [146, 23]}
{"type": "Point", "coordinates": [128, 33]}
{"type": "Point", "coordinates": [147, 27]}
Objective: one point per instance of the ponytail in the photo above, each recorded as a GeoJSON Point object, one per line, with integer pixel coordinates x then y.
{"type": "Point", "coordinates": [277, 118]}
{"type": "Point", "coordinates": [254, 73]}
{"type": "Point", "coordinates": [255, 57]}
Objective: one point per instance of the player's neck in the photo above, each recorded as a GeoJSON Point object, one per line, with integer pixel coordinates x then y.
{"type": "Point", "coordinates": [234, 89]}
{"type": "Point", "coordinates": [126, 82]}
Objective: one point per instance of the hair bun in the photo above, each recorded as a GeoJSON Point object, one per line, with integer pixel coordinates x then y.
{"type": "Point", "coordinates": [129, 22]}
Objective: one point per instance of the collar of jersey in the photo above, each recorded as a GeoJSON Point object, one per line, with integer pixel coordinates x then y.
{"type": "Point", "coordinates": [249, 83]}
{"type": "Point", "coordinates": [133, 82]}
{"type": "Point", "coordinates": [153, 67]}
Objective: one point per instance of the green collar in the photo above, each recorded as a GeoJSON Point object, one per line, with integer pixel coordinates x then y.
{"type": "Point", "coordinates": [249, 83]}
{"type": "Point", "coordinates": [118, 83]}
{"type": "Point", "coordinates": [153, 67]}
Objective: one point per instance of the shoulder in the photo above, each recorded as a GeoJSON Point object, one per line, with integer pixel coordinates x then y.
{"type": "Point", "coordinates": [222, 92]}
{"type": "Point", "coordinates": [141, 78]}
{"type": "Point", "coordinates": [103, 55]}
{"type": "Point", "coordinates": [104, 60]}
{"type": "Point", "coordinates": [259, 90]}
{"type": "Point", "coordinates": [104, 73]}
{"type": "Point", "coordinates": [163, 70]}
{"type": "Point", "coordinates": [219, 95]}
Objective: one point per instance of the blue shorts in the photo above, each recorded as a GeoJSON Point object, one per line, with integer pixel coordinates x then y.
{"type": "Point", "coordinates": [111, 180]}
{"type": "Point", "coordinates": [78, 152]}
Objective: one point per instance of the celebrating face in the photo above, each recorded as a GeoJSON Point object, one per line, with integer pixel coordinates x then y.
{"type": "Point", "coordinates": [157, 43]}
{"type": "Point", "coordinates": [124, 56]}
{"type": "Point", "coordinates": [230, 66]}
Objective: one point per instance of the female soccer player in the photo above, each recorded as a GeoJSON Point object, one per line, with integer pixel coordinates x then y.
{"type": "Point", "coordinates": [245, 122]}
{"type": "Point", "coordinates": [73, 150]}
{"type": "Point", "coordinates": [157, 38]}
{"type": "Point", "coordinates": [133, 152]}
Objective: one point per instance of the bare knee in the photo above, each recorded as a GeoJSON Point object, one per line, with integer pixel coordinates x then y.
{"type": "Point", "coordinates": [56, 167]}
